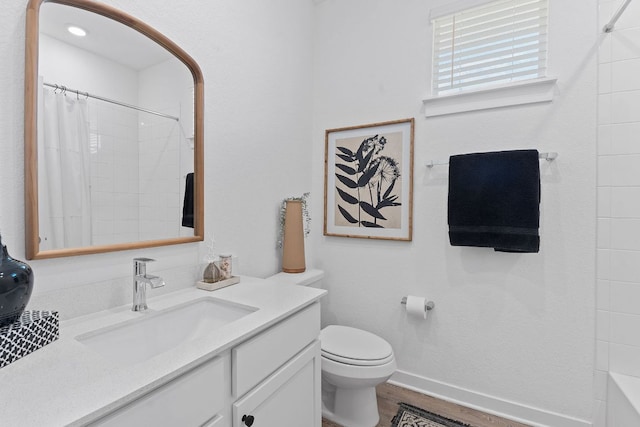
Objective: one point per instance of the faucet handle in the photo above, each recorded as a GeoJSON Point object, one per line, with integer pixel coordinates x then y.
{"type": "Point", "coordinates": [144, 259]}
{"type": "Point", "coordinates": [155, 281]}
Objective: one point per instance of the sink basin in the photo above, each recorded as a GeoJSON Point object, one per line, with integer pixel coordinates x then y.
{"type": "Point", "coordinates": [140, 339]}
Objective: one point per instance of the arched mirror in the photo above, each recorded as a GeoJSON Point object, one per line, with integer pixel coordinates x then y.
{"type": "Point", "coordinates": [113, 133]}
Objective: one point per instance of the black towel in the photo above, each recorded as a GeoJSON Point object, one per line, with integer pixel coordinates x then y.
{"type": "Point", "coordinates": [494, 200]}
{"type": "Point", "coordinates": [187, 206]}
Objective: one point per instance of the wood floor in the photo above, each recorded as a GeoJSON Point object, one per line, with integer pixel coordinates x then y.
{"type": "Point", "coordinates": [390, 395]}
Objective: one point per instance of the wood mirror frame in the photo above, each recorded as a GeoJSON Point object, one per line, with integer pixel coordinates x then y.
{"type": "Point", "coordinates": [31, 142]}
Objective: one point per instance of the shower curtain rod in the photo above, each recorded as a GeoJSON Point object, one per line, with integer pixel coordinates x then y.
{"type": "Point", "coordinates": [609, 27]}
{"type": "Point", "coordinates": [78, 93]}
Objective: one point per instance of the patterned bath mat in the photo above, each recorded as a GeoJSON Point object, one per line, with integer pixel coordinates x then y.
{"type": "Point", "coordinates": [411, 416]}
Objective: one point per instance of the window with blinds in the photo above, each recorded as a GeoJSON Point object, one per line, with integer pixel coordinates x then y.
{"type": "Point", "coordinates": [499, 42]}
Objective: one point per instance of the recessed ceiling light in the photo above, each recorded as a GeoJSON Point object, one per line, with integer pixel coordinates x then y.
{"type": "Point", "coordinates": [76, 31]}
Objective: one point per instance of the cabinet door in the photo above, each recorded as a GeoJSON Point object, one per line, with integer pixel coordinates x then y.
{"type": "Point", "coordinates": [288, 398]}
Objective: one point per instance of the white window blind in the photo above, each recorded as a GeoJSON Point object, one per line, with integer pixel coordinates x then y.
{"type": "Point", "coordinates": [499, 42]}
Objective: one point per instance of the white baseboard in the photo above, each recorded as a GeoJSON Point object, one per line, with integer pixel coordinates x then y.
{"type": "Point", "coordinates": [490, 404]}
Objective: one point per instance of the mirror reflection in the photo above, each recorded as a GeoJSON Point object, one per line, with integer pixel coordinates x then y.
{"type": "Point", "coordinates": [115, 120]}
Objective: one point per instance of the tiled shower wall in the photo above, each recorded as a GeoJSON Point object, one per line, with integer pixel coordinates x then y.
{"type": "Point", "coordinates": [618, 256]}
{"type": "Point", "coordinates": [160, 183]}
{"type": "Point", "coordinates": [166, 154]}
{"type": "Point", "coordinates": [113, 150]}
{"type": "Point", "coordinates": [135, 169]}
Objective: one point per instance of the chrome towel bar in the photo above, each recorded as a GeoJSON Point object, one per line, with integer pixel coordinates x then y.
{"type": "Point", "coordinates": [545, 156]}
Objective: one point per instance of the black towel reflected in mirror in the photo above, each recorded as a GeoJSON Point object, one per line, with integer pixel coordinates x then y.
{"type": "Point", "coordinates": [188, 204]}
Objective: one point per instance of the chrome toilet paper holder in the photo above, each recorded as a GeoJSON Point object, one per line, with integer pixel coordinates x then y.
{"type": "Point", "coordinates": [430, 304]}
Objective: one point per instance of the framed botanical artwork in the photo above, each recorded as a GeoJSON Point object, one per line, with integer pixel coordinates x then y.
{"type": "Point", "coordinates": [368, 181]}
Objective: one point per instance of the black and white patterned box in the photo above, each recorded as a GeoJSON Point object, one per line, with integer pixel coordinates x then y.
{"type": "Point", "coordinates": [32, 331]}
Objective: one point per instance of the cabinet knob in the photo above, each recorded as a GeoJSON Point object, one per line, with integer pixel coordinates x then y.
{"type": "Point", "coordinates": [248, 420]}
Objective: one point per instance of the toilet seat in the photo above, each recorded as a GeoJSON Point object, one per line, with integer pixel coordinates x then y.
{"type": "Point", "coordinates": [352, 346]}
{"type": "Point", "coordinates": [356, 362]}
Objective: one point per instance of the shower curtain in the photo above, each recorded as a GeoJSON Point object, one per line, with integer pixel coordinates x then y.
{"type": "Point", "coordinates": [64, 197]}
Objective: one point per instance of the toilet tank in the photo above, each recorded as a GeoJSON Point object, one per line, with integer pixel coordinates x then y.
{"type": "Point", "coordinates": [310, 277]}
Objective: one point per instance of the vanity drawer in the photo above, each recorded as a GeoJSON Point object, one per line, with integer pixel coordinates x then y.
{"type": "Point", "coordinates": [189, 400]}
{"type": "Point", "coordinates": [255, 359]}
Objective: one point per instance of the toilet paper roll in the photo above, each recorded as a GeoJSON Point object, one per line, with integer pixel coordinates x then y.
{"type": "Point", "coordinates": [417, 306]}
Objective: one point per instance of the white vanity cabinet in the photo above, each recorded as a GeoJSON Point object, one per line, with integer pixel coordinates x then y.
{"type": "Point", "coordinates": [276, 375]}
{"type": "Point", "coordinates": [270, 380]}
{"type": "Point", "coordinates": [288, 398]}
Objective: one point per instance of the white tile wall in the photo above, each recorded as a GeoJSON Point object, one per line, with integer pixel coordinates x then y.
{"type": "Point", "coordinates": [625, 106]}
{"type": "Point", "coordinates": [161, 178]}
{"type": "Point", "coordinates": [625, 298]}
{"type": "Point", "coordinates": [618, 255]}
{"type": "Point", "coordinates": [624, 202]}
{"type": "Point", "coordinates": [624, 265]}
{"type": "Point", "coordinates": [137, 188]}
{"type": "Point", "coordinates": [603, 265]}
{"type": "Point", "coordinates": [623, 233]}
{"type": "Point", "coordinates": [624, 138]}
{"type": "Point", "coordinates": [602, 355]}
{"type": "Point", "coordinates": [603, 321]}
{"type": "Point", "coordinates": [624, 329]}
{"type": "Point", "coordinates": [603, 297]}
{"type": "Point", "coordinates": [624, 42]}
{"type": "Point", "coordinates": [604, 202]}
{"type": "Point", "coordinates": [604, 108]}
{"type": "Point", "coordinates": [605, 133]}
{"type": "Point", "coordinates": [604, 236]}
{"type": "Point", "coordinates": [114, 177]}
{"type": "Point", "coordinates": [624, 359]}
{"type": "Point", "coordinates": [624, 75]}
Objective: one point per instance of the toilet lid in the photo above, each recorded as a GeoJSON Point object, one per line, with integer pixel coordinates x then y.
{"type": "Point", "coordinates": [354, 346]}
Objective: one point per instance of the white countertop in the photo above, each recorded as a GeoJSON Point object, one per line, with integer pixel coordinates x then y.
{"type": "Point", "coordinates": [66, 383]}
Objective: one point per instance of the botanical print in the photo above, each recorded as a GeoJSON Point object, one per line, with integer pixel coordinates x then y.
{"type": "Point", "coordinates": [369, 181]}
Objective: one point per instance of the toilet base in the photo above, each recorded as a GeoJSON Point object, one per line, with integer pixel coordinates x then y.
{"type": "Point", "coordinates": [350, 407]}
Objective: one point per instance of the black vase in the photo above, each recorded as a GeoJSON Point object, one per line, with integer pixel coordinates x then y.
{"type": "Point", "coordinates": [16, 284]}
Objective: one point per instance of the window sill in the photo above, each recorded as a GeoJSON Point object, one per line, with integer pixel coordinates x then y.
{"type": "Point", "coordinates": [528, 92]}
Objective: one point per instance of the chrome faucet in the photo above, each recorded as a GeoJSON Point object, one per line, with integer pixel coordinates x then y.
{"type": "Point", "coordinates": [140, 280]}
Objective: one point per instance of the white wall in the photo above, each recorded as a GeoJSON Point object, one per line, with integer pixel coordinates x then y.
{"type": "Point", "coordinates": [256, 60]}
{"type": "Point", "coordinates": [618, 291]}
{"type": "Point", "coordinates": [65, 64]}
{"type": "Point", "coordinates": [511, 333]}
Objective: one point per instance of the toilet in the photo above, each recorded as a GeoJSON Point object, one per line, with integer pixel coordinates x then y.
{"type": "Point", "coordinates": [354, 362]}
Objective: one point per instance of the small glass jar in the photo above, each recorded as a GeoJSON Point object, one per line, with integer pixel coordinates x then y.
{"type": "Point", "coordinates": [224, 264]}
